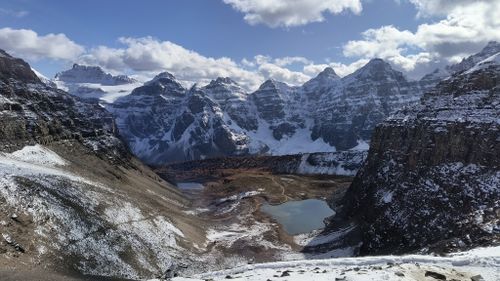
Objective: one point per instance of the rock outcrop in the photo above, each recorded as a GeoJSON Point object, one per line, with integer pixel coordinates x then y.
{"type": "Point", "coordinates": [432, 176]}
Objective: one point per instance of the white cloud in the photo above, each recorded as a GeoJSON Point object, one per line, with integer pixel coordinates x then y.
{"type": "Point", "coordinates": [291, 60]}
{"type": "Point", "coordinates": [467, 27]}
{"type": "Point", "coordinates": [442, 7]}
{"type": "Point", "coordinates": [148, 55]}
{"type": "Point", "coordinates": [28, 44]}
{"type": "Point", "coordinates": [286, 13]}
{"type": "Point", "coordinates": [341, 69]}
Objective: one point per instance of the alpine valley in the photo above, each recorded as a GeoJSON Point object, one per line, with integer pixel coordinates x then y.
{"type": "Point", "coordinates": [104, 177]}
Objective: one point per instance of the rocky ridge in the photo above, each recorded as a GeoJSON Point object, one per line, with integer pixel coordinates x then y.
{"type": "Point", "coordinates": [432, 176]}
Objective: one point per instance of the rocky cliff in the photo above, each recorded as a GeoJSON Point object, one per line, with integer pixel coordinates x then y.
{"type": "Point", "coordinates": [72, 198]}
{"type": "Point", "coordinates": [432, 177]}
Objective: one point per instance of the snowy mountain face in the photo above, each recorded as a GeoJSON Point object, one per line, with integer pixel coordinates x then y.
{"type": "Point", "coordinates": [347, 112]}
{"type": "Point", "coordinates": [432, 176]}
{"type": "Point", "coordinates": [91, 74]}
{"type": "Point", "coordinates": [91, 82]}
{"type": "Point", "coordinates": [163, 122]}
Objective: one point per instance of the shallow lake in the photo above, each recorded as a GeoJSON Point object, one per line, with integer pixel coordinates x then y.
{"type": "Point", "coordinates": [190, 186]}
{"type": "Point", "coordinates": [299, 216]}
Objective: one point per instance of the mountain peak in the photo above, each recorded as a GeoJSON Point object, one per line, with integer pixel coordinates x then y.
{"type": "Point", "coordinates": [167, 82]}
{"type": "Point", "coordinates": [224, 80]}
{"type": "Point", "coordinates": [377, 62]}
{"type": "Point", "coordinates": [164, 74]}
{"type": "Point", "coordinates": [14, 68]}
{"type": "Point", "coordinates": [91, 74]}
{"type": "Point", "coordinates": [328, 73]}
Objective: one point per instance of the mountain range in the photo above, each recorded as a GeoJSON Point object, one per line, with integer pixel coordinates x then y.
{"type": "Point", "coordinates": [164, 122]}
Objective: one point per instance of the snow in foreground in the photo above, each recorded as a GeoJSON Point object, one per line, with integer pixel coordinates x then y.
{"type": "Point", "coordinates": [471, 265]}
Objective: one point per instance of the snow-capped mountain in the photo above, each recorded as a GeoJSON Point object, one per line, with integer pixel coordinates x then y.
{"type": "Point", "coordinates": [91, 82]}
{"type": "Point", "coordinates": [163, 122]}
{"type": "Point", "coordinates": [347, 112]}
{"type": "Point", "coordinates": [491, 48]}
{"type": "Point", "coordinates": [91, 74]}
{"type": "Point", "coordinates": [432, 176]}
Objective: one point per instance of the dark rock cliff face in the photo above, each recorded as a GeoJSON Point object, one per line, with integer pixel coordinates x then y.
{"type": "Point", "coordinates": [432, 177]}
{"type": "Point", "coordinates": [32, 112]}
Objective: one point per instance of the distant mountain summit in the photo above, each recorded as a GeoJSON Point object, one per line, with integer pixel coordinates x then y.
{"type": "Point", "coordinates": [93, 83]}
{"type": "Point", "coordinates": [91, 74]}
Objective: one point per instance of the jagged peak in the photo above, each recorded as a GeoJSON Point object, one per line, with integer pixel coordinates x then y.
{"type": "Point", "coordinates": [269, 83]}
{"type": "Point", "coordinates": [374, 66]}
{"type": "Point", "coordinates": [167, 81]}
{"type": "Point", "coordinates": [224, 80]}
{"type": "Point", "coordinates": [328, 72]}
{"type": "Point", "coordinates": [87, 67]}
{"type": "Point", "coordinates": [378, 62]}
{"type": "Point", "coordinates": [166, 75]}
{"type": "Point", "coordinates": [164, 78]}
{"type": "Point", "coordinates": [80, 73]}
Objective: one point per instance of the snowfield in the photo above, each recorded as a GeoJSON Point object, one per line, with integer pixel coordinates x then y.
{"type": "Point", "coordinates": [477, 264]}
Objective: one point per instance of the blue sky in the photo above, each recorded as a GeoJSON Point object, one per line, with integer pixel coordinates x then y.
{"type": "Point", "coordinates": [217, 35]}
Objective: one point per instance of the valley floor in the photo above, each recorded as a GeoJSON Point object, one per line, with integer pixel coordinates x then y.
{"type": "Point", "coordinates": [473, 265]}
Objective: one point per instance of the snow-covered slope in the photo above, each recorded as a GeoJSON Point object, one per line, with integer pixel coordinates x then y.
{"type": "Point", "coordinates": [163, 122]}
{"type": "Point", "coordinates": [478, 264]}
{"type": "Point", "coordinates": [91, 82]}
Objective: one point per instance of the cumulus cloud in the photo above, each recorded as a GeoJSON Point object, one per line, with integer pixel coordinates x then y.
{"type": "Point", "coordinates": [150, 55]}
{"type": "Point", "coordinates": [28, 44]}
{"type": "Point", "coordinates": [286, 13]}
{"type": "Point", "coordinates": [291, 60]}
{"type": "Point", "coordinates": [441, 7]}
{"type": "Point", "coordinates": [467, 27]}
{"type": "Point", "coordinates": [340, 68]}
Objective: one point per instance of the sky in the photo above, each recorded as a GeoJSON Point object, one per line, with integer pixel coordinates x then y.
{"type": "Point", "coordinates": [247, 40]}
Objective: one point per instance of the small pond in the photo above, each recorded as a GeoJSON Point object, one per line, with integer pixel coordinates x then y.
{"type": "Point", "coordinates": [190, 186]}
{"type": "Point", "coordinates": [298, 217]}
